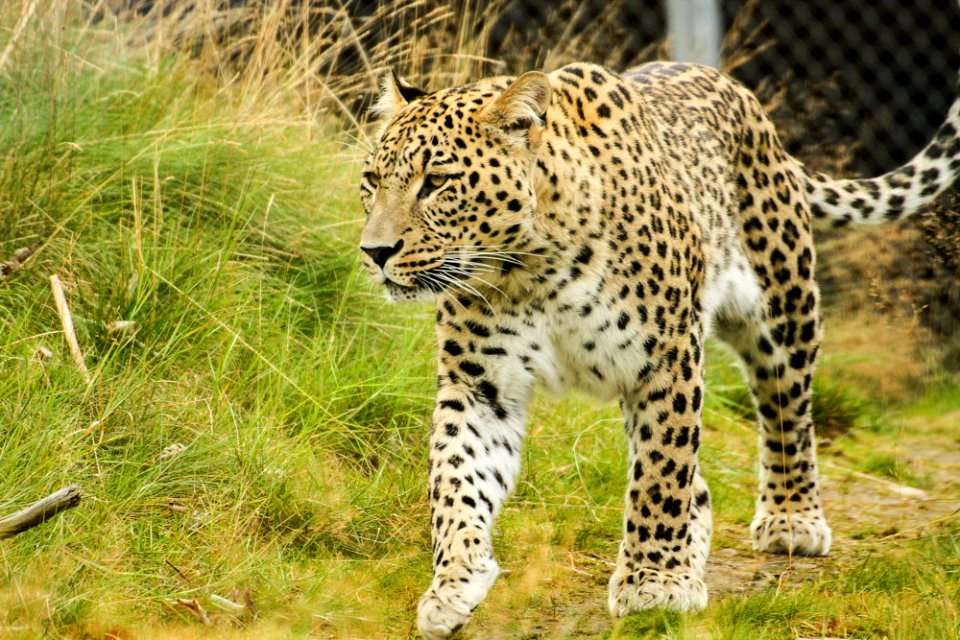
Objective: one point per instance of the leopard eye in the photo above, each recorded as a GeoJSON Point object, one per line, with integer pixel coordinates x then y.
{"type": "Point", "coordinates": [431, 183]}
{"type": "Point", "coordinates": [372, 179]}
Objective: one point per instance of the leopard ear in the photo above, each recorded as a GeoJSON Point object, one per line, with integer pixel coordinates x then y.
{"type": "Point", "coordinates": [395, 94]}
{"type": "Point", "coordinates": [522, 105]}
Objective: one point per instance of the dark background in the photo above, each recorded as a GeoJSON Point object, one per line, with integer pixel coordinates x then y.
{"type": "Point", "coordinates": [887, 67]}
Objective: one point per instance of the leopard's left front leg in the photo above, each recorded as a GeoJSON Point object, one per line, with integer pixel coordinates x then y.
{"type": "Point", "coordinates": [475, 441]}
{"type": "Point", "coordinates": [667, 524]}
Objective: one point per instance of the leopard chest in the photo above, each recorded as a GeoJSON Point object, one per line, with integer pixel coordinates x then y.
{"type": "Point", "coordinates": [595, 343]}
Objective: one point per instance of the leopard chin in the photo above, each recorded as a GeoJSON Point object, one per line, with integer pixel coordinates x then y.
{"type": "Point", "coordinates": [399, 293]}
{"type": "Point", "coordinates": [450, 274]}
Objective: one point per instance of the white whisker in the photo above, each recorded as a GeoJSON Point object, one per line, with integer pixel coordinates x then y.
{"type": "Point", "coordinates": [469, 274]}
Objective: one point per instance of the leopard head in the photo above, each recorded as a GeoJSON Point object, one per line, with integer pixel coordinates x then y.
{"type": "Point", "coordinates": [448, 191]}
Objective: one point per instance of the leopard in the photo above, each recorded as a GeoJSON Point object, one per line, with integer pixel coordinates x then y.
{"type": "Point", "coordinates": [587, 230]}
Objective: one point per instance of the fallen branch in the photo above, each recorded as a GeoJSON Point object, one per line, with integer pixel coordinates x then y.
{"type": "Point", "coordinates": [39, 511]}
{"type": "Point", "coordinates": [67, 321]}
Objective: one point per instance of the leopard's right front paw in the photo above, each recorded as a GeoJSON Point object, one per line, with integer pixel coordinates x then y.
{"type": "Point", "coordinates": [641, 589]}
{"type": "Point", "coordinates": [454, 594]}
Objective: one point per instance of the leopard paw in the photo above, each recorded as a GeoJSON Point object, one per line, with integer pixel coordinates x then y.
{"type": "Point", "coordinates": [454, 594]}
{"type": "Point", "coordinates": [807, 535]}
{"type": "Point", "coordinates": [648, 588]}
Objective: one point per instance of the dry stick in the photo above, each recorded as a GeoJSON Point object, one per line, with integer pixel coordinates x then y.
{"type": "Point", "coordinates": [179, 573]}
{"type": "Point", "coordinates": [67, 321]}
{"type": "Point", "coordinates": [39, 511]}
{"type": "Point", "coordinates": [195, 608]}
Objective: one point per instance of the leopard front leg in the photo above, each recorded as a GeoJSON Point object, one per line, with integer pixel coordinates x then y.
{"type": "Point", "coordinates": [476, 436]}
{"type": "Point", "coordinates": [667, 525]}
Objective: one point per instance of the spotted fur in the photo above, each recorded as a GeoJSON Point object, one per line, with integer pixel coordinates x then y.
{"type": "Point", "coordinates": [585, 229]}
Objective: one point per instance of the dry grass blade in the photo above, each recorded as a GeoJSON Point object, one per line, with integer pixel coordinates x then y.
{"type": "Point", "coordinates": [25, 17]}
{"type": "Point", "coordinates": [66, 320]}
{"type": "Point", "coordinates": [741, 44]}
{"type": "Point", "coordinates": [229, 606]}
{"type": "Point", "coordinates": [327, 56]}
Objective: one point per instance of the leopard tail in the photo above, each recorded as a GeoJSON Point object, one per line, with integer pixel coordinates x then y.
{"type": "Point", "coordinates": [894, 195]}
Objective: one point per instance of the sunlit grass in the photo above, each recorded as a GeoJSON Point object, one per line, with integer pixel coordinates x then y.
{"type": "Point", "coordinates": [217, 234]}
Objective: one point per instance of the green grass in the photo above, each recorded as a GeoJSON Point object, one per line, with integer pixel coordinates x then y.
{"type": "Point", "coordinates": [255, 348]}
{"type": "Point", "coordinates": [301, 400]}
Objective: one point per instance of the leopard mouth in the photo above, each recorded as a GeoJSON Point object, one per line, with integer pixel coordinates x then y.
{"type": "Point", "coordinates": [450, 274]}
{"type": "Point", "coordinates": [470, 274]}
{"type": "Point", "coordinates": [392, 285]}
{"type": "Point", "coordinates": [410, 293]}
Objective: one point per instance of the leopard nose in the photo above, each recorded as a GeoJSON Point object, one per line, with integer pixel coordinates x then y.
{"type": "Point", "coordinates": [380, 255]}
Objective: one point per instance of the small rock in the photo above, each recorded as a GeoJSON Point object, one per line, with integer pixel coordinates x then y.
{"type": "Point", "coordinates": [173, 450]}
{"type": "Point", "coordinates": [122, 328]}
{"type": "Point", "coordinates": [42, 354]}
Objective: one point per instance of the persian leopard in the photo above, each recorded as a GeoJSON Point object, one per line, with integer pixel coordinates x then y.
{"type": "Point", "coordinates": [584, 229]}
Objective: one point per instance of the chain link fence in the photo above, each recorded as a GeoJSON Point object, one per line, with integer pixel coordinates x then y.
{"type": "Point", "coordinates": [886, 69]}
